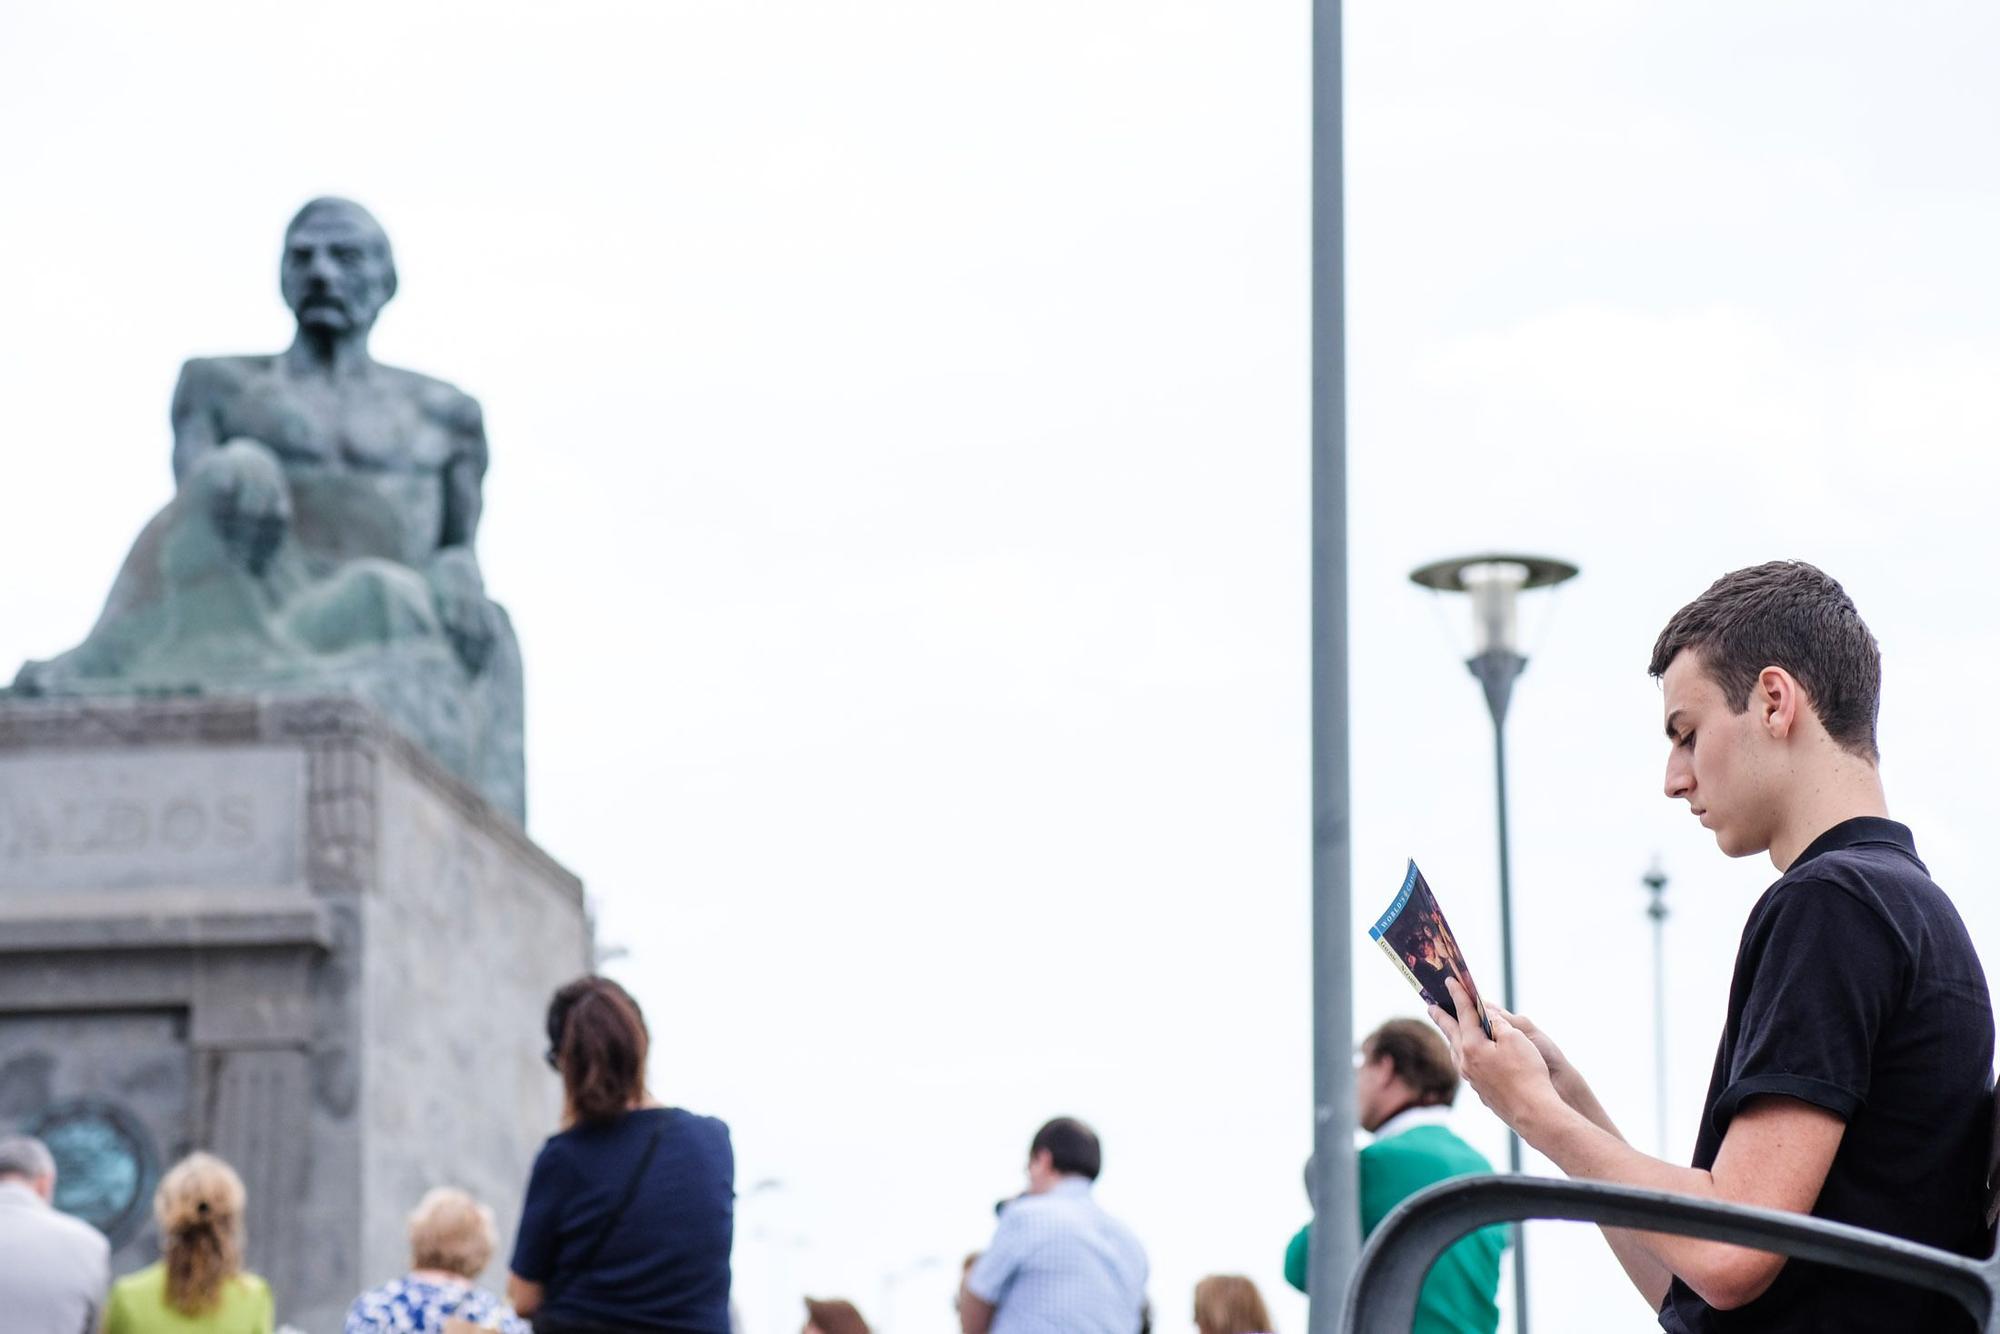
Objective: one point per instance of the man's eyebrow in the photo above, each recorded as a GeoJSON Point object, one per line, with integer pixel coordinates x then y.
{"type": "Point", "coordinates": [1672, 730]}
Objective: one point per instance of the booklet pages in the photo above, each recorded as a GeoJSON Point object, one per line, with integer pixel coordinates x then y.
{"type": "Point", "coordinates": [1417, 938]}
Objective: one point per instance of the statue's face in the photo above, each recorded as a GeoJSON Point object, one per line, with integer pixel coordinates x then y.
{"type": "Point", "coordinates": [337, 274]}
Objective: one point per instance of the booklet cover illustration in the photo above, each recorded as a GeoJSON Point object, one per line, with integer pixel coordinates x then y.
{"type": "Point", "coordinates": [1414, 933]}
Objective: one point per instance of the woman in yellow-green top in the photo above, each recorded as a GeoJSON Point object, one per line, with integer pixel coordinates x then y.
{"type": "Point", "coordinates": [198, 1286]}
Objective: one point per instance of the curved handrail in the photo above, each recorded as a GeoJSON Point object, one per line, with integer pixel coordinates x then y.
{"type": "Point", "coordinates": [1383, 1296]}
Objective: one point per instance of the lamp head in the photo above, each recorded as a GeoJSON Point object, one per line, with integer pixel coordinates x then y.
{"type": "Point", "coordinates": [1495, 582]}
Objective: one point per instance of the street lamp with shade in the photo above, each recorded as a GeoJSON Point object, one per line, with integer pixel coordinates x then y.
{"type": "Point", "coordinates": [1495, 582]}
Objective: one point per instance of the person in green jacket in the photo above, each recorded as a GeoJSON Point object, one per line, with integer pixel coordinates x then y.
{"type": "Point", "coordinates": [1405, 1083]}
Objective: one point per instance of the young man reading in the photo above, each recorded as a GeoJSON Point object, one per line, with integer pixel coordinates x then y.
{"type": "Point", "coordinates": [1851, 1080]}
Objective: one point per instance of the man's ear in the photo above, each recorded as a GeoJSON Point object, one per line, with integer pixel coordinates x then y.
{"type": "Point", "coordinates": [1778, 698]}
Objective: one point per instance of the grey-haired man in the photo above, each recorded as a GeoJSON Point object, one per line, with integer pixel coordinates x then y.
{"type": "Point", "coordinates": [54, 1269]}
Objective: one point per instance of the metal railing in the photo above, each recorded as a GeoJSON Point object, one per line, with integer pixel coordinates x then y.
{"type": "Point", "coordinates": [1382, 1298]}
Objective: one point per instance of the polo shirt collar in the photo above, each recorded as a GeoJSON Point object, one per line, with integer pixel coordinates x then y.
{"type": "Point", "coordinates": [1410, 1118]}
{"type": "Point", "coordinates": [1852, 833]}
{"type": "Point", "coordinates": [1072, 1187]}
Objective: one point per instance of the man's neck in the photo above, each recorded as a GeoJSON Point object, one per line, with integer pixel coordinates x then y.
{"type": "Point", "coordinates": [333, 356]}
{"type": "Point", "coordinates": [1845, 792]}
{"type": "Point", "coordinates": [18, 1186]}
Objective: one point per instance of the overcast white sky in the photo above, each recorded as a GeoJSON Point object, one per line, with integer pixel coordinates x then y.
{"type": "Point", "coordinates": [898, 416]}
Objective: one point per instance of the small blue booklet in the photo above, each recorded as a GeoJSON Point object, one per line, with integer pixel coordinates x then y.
{"type": "Point", "coordinates": [1416, 936]}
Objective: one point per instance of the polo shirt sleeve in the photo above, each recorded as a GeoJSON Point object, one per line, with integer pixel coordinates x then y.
{"type": "Point", "coordinates": [1001, 1262]}
{"type": "Point", "coordinates": [1829, 971]}
{"type": "Point", "coordinates": [1298, 1256]}
{"type": "Point", "coordinates": [549, 1186]}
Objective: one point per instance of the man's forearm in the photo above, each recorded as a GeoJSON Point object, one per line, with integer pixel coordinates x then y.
{"type": "Point", "coordinates": [975, 1316]}
{"type": "Point", "coordinates": [1589, 1151]}
{"type": "Point", "coordinates": [1634, 1256]}
{"type": "Point", "coordinates": [1576, 1091]}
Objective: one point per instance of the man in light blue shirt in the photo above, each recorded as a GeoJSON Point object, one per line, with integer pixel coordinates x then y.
{"type": "Point", "coordinates": [1058, 1263]}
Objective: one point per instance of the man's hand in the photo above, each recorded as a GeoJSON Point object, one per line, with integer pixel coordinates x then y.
{"type": "Point", "coordinates": [470, 621]}
{"type": "Point", "coordinates": [1507, 1070]}
{"type": "Point", "coordinates": [242, 485]}
{"type": "Point", "coordinates": [1568, 1080]}
{"type": "Point", "coordinates": [1558, 1064]}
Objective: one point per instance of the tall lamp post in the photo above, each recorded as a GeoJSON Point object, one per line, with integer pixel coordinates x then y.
{"type": "Point", "coordinates": [1655, 881]}
{"type": "Point", "coordinates": [1495, 583]}
{"type": "Point", "coordinates": [1336, 1234]}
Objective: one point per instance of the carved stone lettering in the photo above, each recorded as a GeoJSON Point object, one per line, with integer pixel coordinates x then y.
{"type": "Point", "coordinates": [164, 815]}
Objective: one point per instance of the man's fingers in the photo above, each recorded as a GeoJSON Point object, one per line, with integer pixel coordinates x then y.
{"type": "Point", "coordinates": [1459, 1000]}
{"type": "Point", "coordinates": [1449, 1027]}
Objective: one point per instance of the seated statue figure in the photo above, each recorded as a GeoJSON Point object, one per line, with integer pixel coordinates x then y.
{"type": "Point", "coordinates": [321, 533]}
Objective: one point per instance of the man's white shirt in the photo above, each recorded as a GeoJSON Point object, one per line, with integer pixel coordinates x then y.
{"type": "Point", "coordinates": [54, 1269]}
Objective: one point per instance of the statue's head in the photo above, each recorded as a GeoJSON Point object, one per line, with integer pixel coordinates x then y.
{"type": "Point", "coordinates": [337, 273]}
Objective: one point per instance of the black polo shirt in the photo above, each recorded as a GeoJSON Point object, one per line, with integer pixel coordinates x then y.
{"type": "Point", "coordinates": [1857, 990]}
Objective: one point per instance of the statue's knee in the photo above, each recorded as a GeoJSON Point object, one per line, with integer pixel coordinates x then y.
{"type": "Point", "coordinates": [367, 602]}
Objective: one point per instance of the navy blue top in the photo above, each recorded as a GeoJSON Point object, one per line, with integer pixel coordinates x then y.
{"type": "Point", "coordinates": [1857, 990]}
{"type": "Point", "coordinates": [665, 1264]}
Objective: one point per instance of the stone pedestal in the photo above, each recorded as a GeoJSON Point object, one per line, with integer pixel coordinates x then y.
{"type": "Point", "coordinates": [274, 929]}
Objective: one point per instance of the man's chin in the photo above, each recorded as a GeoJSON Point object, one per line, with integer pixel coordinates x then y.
{"type": "Point", "coordinates": [1735, 845]}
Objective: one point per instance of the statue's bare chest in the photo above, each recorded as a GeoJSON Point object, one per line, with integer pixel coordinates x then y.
{"type": "Point", "coordinates": [360, 426]}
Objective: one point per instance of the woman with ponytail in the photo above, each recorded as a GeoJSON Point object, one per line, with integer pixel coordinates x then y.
{"type": "Point", "coordinates": [629, 1209]}
{"type": "Point", "coordinates": [198, 1286]}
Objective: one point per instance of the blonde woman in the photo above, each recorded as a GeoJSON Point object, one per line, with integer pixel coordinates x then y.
{"type": "Point", "coordinates": [1229, 1304]}
{"type": "Point", "coordinates": [451, 1239]}
{"type": "Point", "coordinates": [198, 1286]}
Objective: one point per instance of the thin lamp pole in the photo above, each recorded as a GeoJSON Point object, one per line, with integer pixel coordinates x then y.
{"type": "Point", "coordinates": [1656, 882]}
{"type": "Point", "coordinates": [1497, 670]}
{"type": "Point", "coordinates": [1336, 1234]}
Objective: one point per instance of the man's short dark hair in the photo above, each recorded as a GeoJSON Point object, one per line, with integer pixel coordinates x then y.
{"type": "Point", "coordinates": [1784, 613]}
{"type": "Point", "coordinates": [1072, 1146]}
{"type": "Point", "coordinates": [1419, 1056]}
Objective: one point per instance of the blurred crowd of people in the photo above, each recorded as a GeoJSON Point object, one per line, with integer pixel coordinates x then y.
{"type": "Point", "coordinates": [628, 1219]}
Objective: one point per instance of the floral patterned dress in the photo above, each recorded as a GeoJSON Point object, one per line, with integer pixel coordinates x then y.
{"type": "Point", "coordinates": [412, 1305]}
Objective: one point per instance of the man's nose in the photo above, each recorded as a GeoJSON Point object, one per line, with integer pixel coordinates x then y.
{"type": "Point", "coordinates": [323, 270]}
{"type": "Point", "coordinates": [1679, 780]}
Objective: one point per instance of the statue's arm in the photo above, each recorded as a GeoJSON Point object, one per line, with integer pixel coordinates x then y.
{"type": "Point", "coordinates": [465, 474]}
{"type": "Point", "coordinates": [473, 624]}
{"type": "Point", "coordinates": [195, 430]}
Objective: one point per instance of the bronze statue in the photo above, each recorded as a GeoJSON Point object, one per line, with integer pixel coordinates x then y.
{"type": "Point", "coordinates": [321, 534]}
